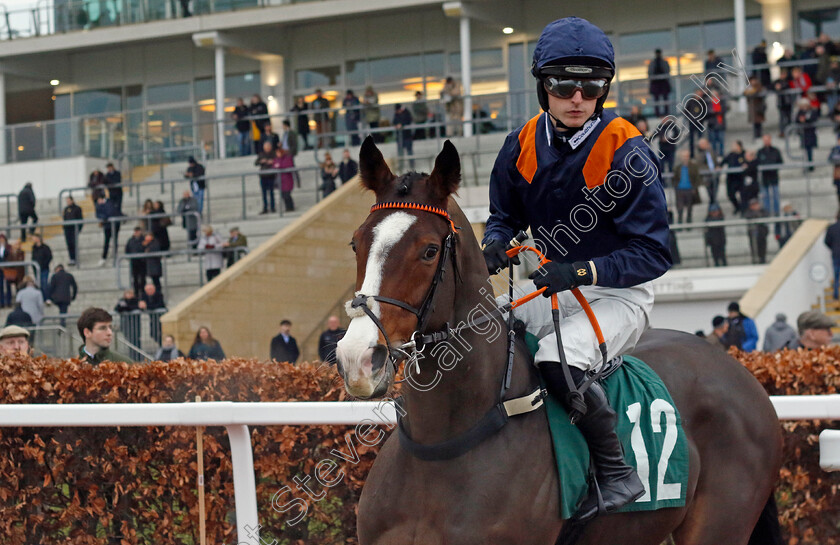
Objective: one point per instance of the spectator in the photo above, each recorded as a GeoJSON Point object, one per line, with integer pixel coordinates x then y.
{"type": "Point", "coordinates": [288, 141]}
{"type": "Point", "coordinates": [205, 347]}
{"type": "Point", "coordinates": [667, 147]}
{"type": "Point", "coordinates": [352, 115]}
{"type": "Point", "coordinates": [19, 317]}
{"type": "Point", "coordinates": [707, 159]}
{"type": "Point", "coordinates": [779, 334]}
{"type": "Point", "coordinates": [637, 119]}
{"type": "Point", "coordinates": [151, 301]}
{"type": "Point", "coordinates": [742, 331]}
{"type": "Point", "coordinates": [5, 287]}
{"type": "Point", "coordinates": [137, 267]}
{"type": "Point", "coordinates": [127, 308]}
{"type": "Point", "coordinates": [26, 209]}
{"type": "Point", "coordinates": [659, 74]}
{"type": "Point", "coordinates": [283, 161]}
{"type": "Point", "coordinates": [243, 127]}
{"type": "Point", "coordinates": [269, 136]}
{"type": "Point", "coordinates": [322, 118]}
{"type": "Point", "coordinates": [113, 179]}
{"type": "Point", "coordinates": [14, 275]}
{"type": "Point", "coordinates": [769, 155]}
{"type": "Point", "coordinates": [834, 158]}
{"type": "Point", "coordinates": [756, 105]}
{"type": "Point", "coordinates": [672, 241]}
{"type": "Point", "coordinates": [348, 168]}
{"type": "Point", "coordinates": [715, 237]}
{"type": "Point", "coordinates": [834, 113]}
{"type": "Point", "coordinates": [95, 328]}
{"type": "Point", "coordinates": [160, 226]}
{"type": "Point", "coordinates": [265, 160]}
{"type": "Point", "coordinates": [329, 339]}
{"type": "Point", "coordinates": [302, 118]}
{"type": "Point", "coordinates": [832, 240]}
{"type": "Point", "coordinates": [211, 244]}
{"type": "Point", "coordinates": [105, 210]}
{"type": "Point", "coordinates": [168, 351]}
{"type": "Point", "coordinates": [734, 163]}
{"type": "Point", "coordinates": [785, 230]}
{"type": "Point", "coordinates": [14, 340]}
{"type": "Point", "coordinates": [72, 212]}
{"type": "Point", "coordinates": [154, 265]}
{"type": "Point", "coordinates": [716, 121]}
{"type": "Point", "coordinates": [405, 144]}
{"type": "Point", "coordinates": [420, 113]}
{"type": "Point", "coordinates": [750, 190]}
{"type": "Point", "coordinates": [31, 300]}
{"type": "Point", "coordinates": [195, 174]}
{"type": "Point", "coordinates": [759, 58]}
{"type": "Point", "coordinates": [96, 184]}
{"type": "Point", "coordinates": [372, 114]}
{"type": "Point", "coordinates": [453, 103]}
{"type": "Point", "coordinates": [63, 290]}
{"type": "Point", "coordinates": [806, 116]}
{"type": "Point", "coordinates": [236, 240]}
{"type": "Point", "coordinates": [284, 347]}
{"type": "Point", "coordinates": [686, 184]}
{"type": "Point", "coordinates": [42, 255]}
{"type": "Point", "coordinates": [698, 109]}
{"type": "Point", "coordinates": [145, 223]}
{"type": "Point", "coordinates": [784, 98]}
{"type": "Point", "coordinates": [189, 221]}
{"type": "Point", "coordinates": [757, 232]}
{"type": "Point", "coordinates": [718, 335]}
{"type": "Point", "coordinates": [800, 80]}
{"type": "Point", "coordinates": [259, 116]}
{"type": "Point", "coordinates": [712, 62]}
{"type": "Point", "coordinates": [814, 331]}
{"type": "Point", "coordinates": [329, 172]}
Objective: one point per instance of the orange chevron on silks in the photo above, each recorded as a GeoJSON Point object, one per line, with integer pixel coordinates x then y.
{"type": "Point", "coordinates": [526, 164]}
{"type": "Point", "coordinates": [600, 159]}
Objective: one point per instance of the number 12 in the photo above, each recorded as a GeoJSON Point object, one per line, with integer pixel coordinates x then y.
{"type": "Point", "coordinates": [664, 491]}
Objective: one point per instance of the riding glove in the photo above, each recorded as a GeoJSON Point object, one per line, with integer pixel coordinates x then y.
{"type": "Point", "coordinates": [495, 256]}
{"type": "Point", "coordinates": [557, 277]}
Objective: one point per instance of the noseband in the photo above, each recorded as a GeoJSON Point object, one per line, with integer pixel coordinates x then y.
{"type": "Point", "coordinates": [418, 338]}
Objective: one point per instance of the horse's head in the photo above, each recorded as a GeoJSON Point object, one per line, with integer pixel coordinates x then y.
{"type": "Point", "coordinates": [404, 267]}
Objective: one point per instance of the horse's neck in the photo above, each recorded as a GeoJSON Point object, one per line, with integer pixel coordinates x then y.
{"type": "Point", "coordinates": [463, 392]}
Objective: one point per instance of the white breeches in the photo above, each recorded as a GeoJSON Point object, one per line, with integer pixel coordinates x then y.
{"type": "Point", "coordinates": [623, 313]}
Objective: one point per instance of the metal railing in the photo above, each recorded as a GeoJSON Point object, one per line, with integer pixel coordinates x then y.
{"type": "Point", "coordinates": [238, 252]}
{"type": "Point", "coordinates": [114, 224]}
{"type": "Point", "coordinates": [67, 342]}
{"type": "Point", "coordinates": [36, 276]}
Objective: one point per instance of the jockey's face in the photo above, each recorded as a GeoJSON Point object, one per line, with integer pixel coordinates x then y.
{"type": "Point", "coordinates": [572, 112]}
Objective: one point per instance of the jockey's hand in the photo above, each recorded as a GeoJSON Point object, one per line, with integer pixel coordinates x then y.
{"type": "Point", "coordinates": [495, 256]}
{"type": "Point", "coordinates": [557, 277]}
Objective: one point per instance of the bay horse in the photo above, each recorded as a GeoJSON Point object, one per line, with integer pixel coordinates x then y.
{"type": "Point", "coordinates": [504, 490]}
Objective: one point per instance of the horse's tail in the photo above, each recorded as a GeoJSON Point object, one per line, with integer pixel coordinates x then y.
{"type": "Point", "coordinates": [570, 532]}
{"type": "Point", "coordinates": [767, 530]}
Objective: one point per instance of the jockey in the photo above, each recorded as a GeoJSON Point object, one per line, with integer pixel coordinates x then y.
{"type": "Point", "coordinates": [587, 184]}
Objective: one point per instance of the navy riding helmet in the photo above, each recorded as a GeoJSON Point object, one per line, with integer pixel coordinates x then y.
{"type": "Point", "coordinates": [573, 48]}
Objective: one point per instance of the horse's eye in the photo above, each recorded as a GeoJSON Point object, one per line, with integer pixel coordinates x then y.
{"type": "Point", "coordinates": [431, 252]}
{"type": "Point", "coordinates": [353, 246]}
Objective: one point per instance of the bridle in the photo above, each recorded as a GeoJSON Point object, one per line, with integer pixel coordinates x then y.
{"type": "Point", "coordinates": [411, 349]}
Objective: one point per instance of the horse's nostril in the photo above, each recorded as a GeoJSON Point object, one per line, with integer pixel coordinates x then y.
{"type": "Point", "coordinates": [339, 367]}
{"type": "Point", "coordinates": [378, 358]}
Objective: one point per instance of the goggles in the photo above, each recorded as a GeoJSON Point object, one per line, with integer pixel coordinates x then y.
{"type": "Point", "coordinates": [590, 89]}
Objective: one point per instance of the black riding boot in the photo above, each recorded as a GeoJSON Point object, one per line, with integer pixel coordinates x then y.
{"type": "Point", "coordinates": [618, 482]}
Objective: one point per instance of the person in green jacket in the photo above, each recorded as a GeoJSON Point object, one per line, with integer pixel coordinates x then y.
{"type": "Point", "coordinates": [95, 328]}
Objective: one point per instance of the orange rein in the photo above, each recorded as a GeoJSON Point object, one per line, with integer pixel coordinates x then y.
{"type": "Point", "coordinates": [576, 292]}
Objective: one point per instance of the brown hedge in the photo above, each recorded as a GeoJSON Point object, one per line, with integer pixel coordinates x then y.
{"type": "Point", "coordinates": [138, 485]}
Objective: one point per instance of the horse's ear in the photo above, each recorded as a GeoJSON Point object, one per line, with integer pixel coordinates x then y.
{"type": "Point", "coordinates": [446, 175]}
{"type": "Point", "coordinates": [374, 171]}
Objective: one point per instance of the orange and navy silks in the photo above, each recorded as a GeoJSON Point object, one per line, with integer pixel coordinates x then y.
{"type": "Point", "coordinates": [597, 196]}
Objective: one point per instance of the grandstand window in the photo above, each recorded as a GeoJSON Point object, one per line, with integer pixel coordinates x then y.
{"type": "Point", "coordinates": [99, 101]}
{"type": "Point", "coordinates": [645, 43]}
{"type": "Point", "coordinates": [62, 106]}
{"type": "Point", "coordinates": [317, 77]}
{"type": "Point", "coordinates": [481, 59]}
{"type": "Point", "coordinates": [433, 65]}
{"type": "Point", "coordinates": [134, 97]}
{"type": "Point", "coordinates": [355, 73]}
{"type": "Point", "coordinates": [391, 69]}
{"type": "Point", "coordinates": [169, 93]}
{"type": "Point", "coordinates": [690, 38]}
{"type": "Point", "coordinates": [812, 23]}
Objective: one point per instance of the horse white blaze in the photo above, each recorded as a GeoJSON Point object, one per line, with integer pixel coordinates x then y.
{"type": "Point", "coordinates": [356, 348]}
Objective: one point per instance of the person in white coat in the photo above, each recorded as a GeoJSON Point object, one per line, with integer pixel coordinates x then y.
{"type": "Point", "coordinates": [211, 244]}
